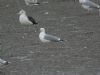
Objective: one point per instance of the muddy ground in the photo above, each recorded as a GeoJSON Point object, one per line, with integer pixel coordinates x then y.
{"type": "Point", "coordinates": [79, 54]}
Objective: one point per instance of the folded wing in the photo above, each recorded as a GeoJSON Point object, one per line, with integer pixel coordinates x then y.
{"type": "Point", "coordinates": [51, 38]}
{"type": "Point", "coordinates": [91, 4]}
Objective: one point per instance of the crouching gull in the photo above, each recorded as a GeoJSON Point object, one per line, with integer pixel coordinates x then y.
{"type": "Point", "coordinates": [89, 5]}
{"type": "Point", "coordinates": [31, 2]}
{"type": "Point", "coordinates": [48, 38]}
{"type": "Point", "coordinates": [26, 20]}
{"type": "Point", "coordinates": [3, 62]}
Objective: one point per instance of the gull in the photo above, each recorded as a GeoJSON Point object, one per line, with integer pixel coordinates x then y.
{"type": "Point", "coordinates": [4, 62]}
{"type": "Point", "coordinates": [31, 2]}
{"type": "Point", "coordinates": [44, 37]}
{"type": "Point", "coordinates": [89, 5]}
{"type": "Point", "coordinates": [26, 20]}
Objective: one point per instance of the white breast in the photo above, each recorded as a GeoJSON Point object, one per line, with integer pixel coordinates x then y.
{"type": "Point", "coordinates": [41, 36]}
{"type": "Point", "coordinates": [24, 20]}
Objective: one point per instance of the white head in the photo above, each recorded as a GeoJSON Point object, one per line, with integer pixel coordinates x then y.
{"type": "Point", "coordinates": [22, 12]}
{"type": "Point", "coordinates": [42, 29]}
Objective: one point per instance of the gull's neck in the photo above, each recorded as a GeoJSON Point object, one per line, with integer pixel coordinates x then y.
{"type": "Point", "coordinates": [43, 32]}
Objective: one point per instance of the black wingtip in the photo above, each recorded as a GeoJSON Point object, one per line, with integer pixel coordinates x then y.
{"type": "Point", "coordinates": [6, 63]}
{"type": "Point", "coordinates": [61, 40]}
{"type": "Point", "coordinates": [36, 23]}
{"type": "Point", "coordinates": [37, 3]}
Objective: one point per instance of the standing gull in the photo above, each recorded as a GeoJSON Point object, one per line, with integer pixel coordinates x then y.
{"type": "Point", "coordinates": [26, 20]}
{"type": "Point", "coordinates": [48, 38]}
{"type": "Point", "coordinates": [89, 5]}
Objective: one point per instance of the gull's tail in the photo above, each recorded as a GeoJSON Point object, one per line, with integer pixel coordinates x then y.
{"type": "Point", "coordinates": [61, 40]}
{"type": "Point", "coordinates": [35, 23]}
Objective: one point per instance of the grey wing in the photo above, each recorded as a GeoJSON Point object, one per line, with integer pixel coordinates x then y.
{"type": "Point", "coordinates": [52, 38]}
{"type": "Point", "coordinates": [92, 4]}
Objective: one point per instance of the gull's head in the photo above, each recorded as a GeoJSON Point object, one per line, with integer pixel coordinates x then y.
{"type": "Point", "coordinates": [42, 30]}
{"type": "Point", "coordinates": [22, 12]}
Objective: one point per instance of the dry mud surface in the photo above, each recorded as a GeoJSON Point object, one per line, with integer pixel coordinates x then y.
{"type": "Point", "coordinates": [20, 45]}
